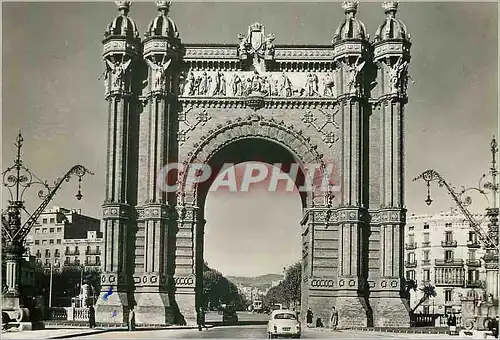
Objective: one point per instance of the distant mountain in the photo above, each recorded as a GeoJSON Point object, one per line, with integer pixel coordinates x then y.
{"type": "Point", "coordinates": [262, 282]}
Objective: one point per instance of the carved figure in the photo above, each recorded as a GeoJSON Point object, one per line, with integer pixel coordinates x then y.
{"type": "Point", "coordinates": [159, 72]}
{"type": "Point", "coordinates": [270, 44]}
{"type": "Point", "coordinates": [203, 87]}
{"type": "Point", "coordinates": [256, 83]}
{"type": "Point", "coordinates": [197, 85]}
{"type": "Point", "coordinates": [328, 85]}
{"type": "Point", "coordinates": [209, 85]}
{"type": "Point", "coordinates": [191, 84]}
{"type": "Point", "coordinates": [248, 86]}
{"type": "Point", "coordinates": [312, 85]}
{"type": "Point", "coordinates": [353, 84]}
{"type": "Point", "coordinates": [237, 85]}
{"type": "Point", "coordinates": [182, 83]}
{"type": "Point", "coordinates": [118, 73]}
{"type": "Point", "coordinates": [398, 75]}
{"type": "Point", "coordinates": [222, 81]}
{"type": "Point", "coordinates": [274, 87]}
{"type": "Point", "coordinates": [217, 84]}
{"type": "Point", "coordinates": [265, 86]}
{"type": "Point", "coordinates": [286, 86]}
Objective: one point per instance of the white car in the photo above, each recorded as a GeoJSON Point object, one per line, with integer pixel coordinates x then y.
{"type": "Point", "coordinates": [283, 322]}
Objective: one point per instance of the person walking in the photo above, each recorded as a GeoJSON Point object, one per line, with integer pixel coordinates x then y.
{"type": "Point", "coordinates": [91, 317]}
{"type": "Point", "coordinates": [452, 324]}
{"type": "Point", "coordinates": [200, 318]}
{"type": "Point", "coordinates": [309, 317]}
{"type": "Point", "coordinates": [131, 320]}
{"type": "Point", "coordinates": [495, 327]}
{"type": "Point", "coordinates": [334, 318]}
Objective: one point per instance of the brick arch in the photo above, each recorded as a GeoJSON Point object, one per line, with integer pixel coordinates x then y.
{"type": "Point", "coordinates": [254, 126]}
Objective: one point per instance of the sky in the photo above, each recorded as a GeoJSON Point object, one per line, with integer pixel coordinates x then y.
{"type": "Point", "coordinates": [51, 60]}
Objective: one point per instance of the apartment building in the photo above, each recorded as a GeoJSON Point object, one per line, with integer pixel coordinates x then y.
{"type": "Point", "coordinates": [442, 250]}
{"type": "Point", "coordinates": [64, 237]}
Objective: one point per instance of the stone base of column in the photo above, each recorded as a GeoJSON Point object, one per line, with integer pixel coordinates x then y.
{"type": "Point", "coordinates": [390, 311]}
{"type": "Point", "coordinates": [186, 301]}
{"type": "Point", "coordinates": [112, 308]}
{"type": "Point", "coordinates": [352, 311]}
{"type": "Point", "coordinates": [154, 308]}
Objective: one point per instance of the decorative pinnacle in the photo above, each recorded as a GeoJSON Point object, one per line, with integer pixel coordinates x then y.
{"type": "Point", "coordinates": [123, 5]}
{"type": "Point", "coordinates": [350, 6]}
{"type": "Point", "coordinates": [163, 5]}
{"type": "Point", "coordinates": [390, 7]}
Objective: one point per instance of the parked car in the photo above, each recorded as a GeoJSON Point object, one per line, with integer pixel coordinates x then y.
{"type": "Point", "coordinates": [283, 322]}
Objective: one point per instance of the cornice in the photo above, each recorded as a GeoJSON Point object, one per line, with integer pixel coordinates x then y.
{"type": "Point", "coordinates": [267, 102]}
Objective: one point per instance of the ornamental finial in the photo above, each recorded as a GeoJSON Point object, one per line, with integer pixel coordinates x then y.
{"type": "Point", "coordinates": [123, 5]}
{"type": "Point", "coordinates": [350, 6]}
{"type": "Point", "coordinates": [390, 7]}
{"type": "Point", "coordinates": [163, 5]}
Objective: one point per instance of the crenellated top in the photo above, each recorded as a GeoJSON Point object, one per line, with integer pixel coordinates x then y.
{"type": "Point", "coordinates": [122, 25]}
{"type": "Point", "coordinates": [162, 25]}
{"type": "Point", "coordinates": [351, 28]}
{"type": "Point", "coordinates": [392, 28]}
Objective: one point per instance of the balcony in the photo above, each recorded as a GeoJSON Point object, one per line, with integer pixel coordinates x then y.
{"type": "Point", "coordinates": [449, 263]}
{"type": "Point", "coordinates": [473, 263]}
{"type": "Point", "coordinates": [450, 277]}
{"type": "Point", "coordinates": [72, 252]}
{"type": "Point", "coordinates": [92, 252]}
{"type": "Point", "coordinates": [448, 243]}
{"type": "Point", "coordinates": [410, 246]}
{"type": "Point", "coordinates": [411, 264]}
{"type": "Point", "coordinates": [92, 262]}
{"type": "Point", "coordinates": [474, 284]}
{"type": "Point", "coordinates": [72, 263]}
{"type": "Point", "coordinates": [426, 262]}
{"type": "Point", "coordinates": [473, 244]}
{"type": "Point", "coordinates": [57, 254]}
{"type": "Point", "coordinates": [426, 244]}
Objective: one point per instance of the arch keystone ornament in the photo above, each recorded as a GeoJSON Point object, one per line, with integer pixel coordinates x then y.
{"type": "Point", "coordinates": [338, 105]}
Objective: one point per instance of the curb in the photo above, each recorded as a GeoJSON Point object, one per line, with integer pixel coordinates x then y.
{"type": "Point", "coordinates": [67, 336]}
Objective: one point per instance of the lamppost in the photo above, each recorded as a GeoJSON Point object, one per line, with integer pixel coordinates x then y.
{"type": "Point", "coordinates": [489, 238]}
{"type": "Point", "coordinates": [17, 179]}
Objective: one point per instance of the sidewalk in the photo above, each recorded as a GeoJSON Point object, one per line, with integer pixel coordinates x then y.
{"type": "Point", "coordinates": [52, 333]}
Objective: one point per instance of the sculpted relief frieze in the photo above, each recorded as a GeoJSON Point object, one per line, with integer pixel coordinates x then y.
{"type": "Point", "coordinates": [267, 84]}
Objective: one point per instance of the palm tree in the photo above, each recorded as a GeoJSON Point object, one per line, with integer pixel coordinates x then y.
{"type": "Point", "coordinates": [428, 291]}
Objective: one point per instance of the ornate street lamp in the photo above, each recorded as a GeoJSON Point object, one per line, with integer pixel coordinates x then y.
{"type": "Point", "coordinates": [462, 200]}
{"type": "Point", "coordinates": [17, 179]}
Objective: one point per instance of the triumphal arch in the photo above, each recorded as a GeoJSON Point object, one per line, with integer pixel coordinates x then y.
{"type": "Point", "coordinates": [341, 103]}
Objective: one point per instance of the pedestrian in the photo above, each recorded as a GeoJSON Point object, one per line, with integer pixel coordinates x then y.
{"type": "Point", "coordinates": [452, 323]}
{"type": "Point", "coordinates": [319, 323]}
{"type": "Point", "coordinates": [200, 318]}
{"type": "Point", "coordinates": [495, 327]}
{"type": "Point", "coordinates": [131, 320]}
{"type": "Point", "coordinates": [334, 318]}
{"type": "Point", "coordinates": [91, 317]}
{"type": "Point", "coordinates": [309, 317]}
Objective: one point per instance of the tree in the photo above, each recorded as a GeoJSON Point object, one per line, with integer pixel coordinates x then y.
{"type": "Point", "coordinates": [428, 291]}
{"type": "Point", "coordinates": [219, 290]}
{"type": "Point", "coordinates": [289, 290]}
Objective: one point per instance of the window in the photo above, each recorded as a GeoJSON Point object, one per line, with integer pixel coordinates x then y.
{"type": "Point", "coordinates": [88, 249]}
{"type": "Point", "coordinates": [411, 257]}
{"type": "Point", "coordinates": [52, 220]}
{"type": "Point", "coordinates": [448, 236]}
{"type": "Point", "coordinates": [51, 230]}
{"type": "Point", "coordinates": [97, 249]}
{"type": "Point", "coordinates": [44, 230]}
{"type": "Point", "coordinates": [472, 254]}
{"type": "Point", "coordinates": [44, 241]}
{"type": "Point", "coordinates": [47, 262]}
{"type": "Point", "coordinates": [56, 261]}
{"type": "Point", "coordinates": [411, 239]}
{"type": "Point", "coordinates": [98, 259]}
{"type": "Point", "coordinates": [471, 236]}
{"type": "Point", "coordinates": [44, 221]}
{"type": "Point", "coordinates": [67, 248]}
{"type": "Point", "coordinates": [58, 241]}
{"type": "Point", "coordinates": [67, 260]}
{"type": "Point", "coordinates": [284, 316]}
{"type": "Point", "coordinates": [448, 255]}
{"type": "Point", "coordinates": [51, 241]}
{"type": "Point", "coordinates": [47, 253]}
{"type": "Point", "coordinates": [447, 295]}
{"type": "Point", "coordinates": [412, 227]}
{"type": "Point", "coordinates": [410, 275]}
{"type": "Point", "coordinates": [426, 255]}
{"type": "Point", "coordinates": [37, 230]}
{"type": "Point", "coordinates": [426, 237]}
{"type": "Point", "coordinates": [37, 242]}
{"type": "Point", "coordinates": [447, 225]}
{"type": "Point", "coordinates": [426, 226]}
{"type": "Point", "coordinates": [472, 275]}
{"type": "Point", "coordinates": [427, 275]}
{"type": "Point", "coordinates": [426, 310]}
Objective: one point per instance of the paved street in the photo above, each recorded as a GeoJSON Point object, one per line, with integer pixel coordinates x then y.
{"type": "Point", "coordinates": [256, 331]}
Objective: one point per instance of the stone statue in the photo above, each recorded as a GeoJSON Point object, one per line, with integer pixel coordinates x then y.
{"type": "Point", "coordinates": [312, 85]}
{"type": "Point", "coordinates": [286, 86]}
{"type": "Point", "coordinates": [159, 72]}
{"type": "Point", "coordinates": [270, 44]}
{"type": "Point", "coordinates": [203, 87]}
{"type": "Point", "coordinates": [222, 80]}
{"type": "Point", "coordinates": [182, 83]}
{"type": "Point", "coordinates": [328, 85]}
{"type": "Point", "coordinates": [118, 73]}
{"type": "Point", "coordinates": [217, 84]}
{"type": "Point", "coordinates": [197, 85]}
{"type": "Point", "coordinates": [354, 71]}
{"type": "Point", "coordinates": [242, 49]}
{"type": "Point", "coordinates": [256, 83]}
{"type": "Point", "coordinates": [191, 82]}
{"type": "Point", "coordinates": [209, 85]}
{"type": "Point", "coordinates": [237, 86]}
{"type": "Point", "coordinates": [265, 86]}
{"type": "Point", "coordinates": [397, 75]}
{"type": "Point", "coordinates": [274, 87]}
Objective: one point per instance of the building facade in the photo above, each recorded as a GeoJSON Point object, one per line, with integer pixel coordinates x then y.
{"type": "Point", "coordinates": [339, 103]}
{"type": "Point", "coordinates": [442, 250]}
{"type": "Point", "coordinates": [64, 237]}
